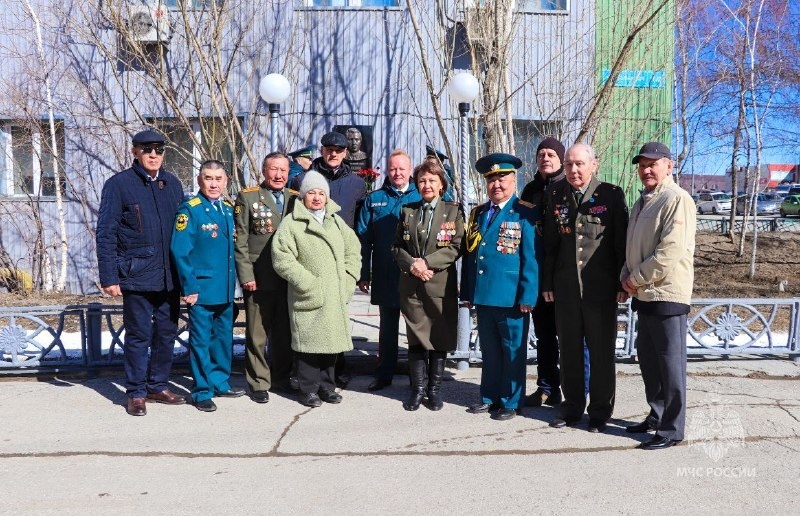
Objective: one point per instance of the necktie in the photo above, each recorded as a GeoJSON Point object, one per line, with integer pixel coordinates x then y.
{"type": "Point", "coordinates": [578, 197]}
{"type": "Point", "coordinates": [493, 209]}
{"type": "Point", "coordinates": [427, 211]}
{"type": "Point", "coordinates": [215, 204]}
{"type": "Point", "coordinates": [278, 200]}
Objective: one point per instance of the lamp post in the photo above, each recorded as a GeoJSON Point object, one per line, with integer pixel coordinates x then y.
{"type": "Point", "coordinates": [463, 89]}
{"type": "Point", "coordinates": [274, 89]}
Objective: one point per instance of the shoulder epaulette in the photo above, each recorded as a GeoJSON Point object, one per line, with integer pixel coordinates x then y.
{"type": "Point", "coordinates": [525, 203]}
{"type": "Point", "coordinates": [251, 189]}
{"type": "Point", "coordinates": [194, 201]}
{"type": "Point", "coordinates": [290, 191]}
{"type": "Point", "coordinates": [452, 203]}
{"type": "Point", "coordinates": [227, 202]}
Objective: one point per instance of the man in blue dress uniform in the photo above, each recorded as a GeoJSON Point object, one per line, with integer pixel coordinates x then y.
{"type": "Point", "coordinates": [376, 228]}
{"type": "Point", "coordinates": [202, 248]}
{"type": "Point", "coordinates": [301, 161]}
{"type": "Point", "coordinates": [500, 277]}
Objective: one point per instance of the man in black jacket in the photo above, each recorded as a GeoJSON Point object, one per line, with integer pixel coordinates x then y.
{"type": "Point", "coordinates": [134, 230]}
{"type": "Point", "coordinates": [549, 169]}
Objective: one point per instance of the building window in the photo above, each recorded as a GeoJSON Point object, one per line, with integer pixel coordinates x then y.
{"type": "Point", "coordinates": [188, 146]}
{"type": "Point", "coordinates": [351, 3]}
{"type": "Point", "coordinates": [542, 5]}
{"type": "Point", "coordinates": [529, 6]}
{"type": "Point", "coordinates": [527, 136]}
{"type": "Point", "coordinates": [26, 158]}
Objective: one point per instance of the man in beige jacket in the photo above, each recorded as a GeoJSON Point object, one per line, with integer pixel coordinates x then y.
{"type": "Point", "coordinates": [659, 274]}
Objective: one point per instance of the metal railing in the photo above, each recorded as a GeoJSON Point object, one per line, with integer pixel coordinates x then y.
{"type": "Point", "coordinates": [721, 224]}
{"type": "Point", "coordinates": [32, 339]}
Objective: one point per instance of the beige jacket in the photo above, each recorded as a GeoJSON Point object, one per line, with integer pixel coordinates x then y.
{"type": "Point", "coordinates": [659, 257]}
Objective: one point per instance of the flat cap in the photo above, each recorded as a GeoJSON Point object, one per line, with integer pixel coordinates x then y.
{"type": "Point", "coordinates": [652, 150]}
{"type": "Point", "coordinates": [430, 151]}
{"type": "Point", "coordinates": [305, 152]}
{"type": "Point", "coordinates": [147, 136]}
{"type": "Point", "coordinates": [497, 163]}
{"type": "Point", "coordinates": [334, 139]}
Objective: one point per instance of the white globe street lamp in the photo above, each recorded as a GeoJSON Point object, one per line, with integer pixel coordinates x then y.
{"type": "Point", "coordinates": [463, 89]}
{"type": "Point", "coordinates": [274, 89]}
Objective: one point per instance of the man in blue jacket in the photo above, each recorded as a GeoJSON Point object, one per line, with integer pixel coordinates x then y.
{"type": "Point", "coordinates": [134, 229]}
{"type": "Point", "coordinates": [500, 278]}
{"type": "Point", "coordinates": [202, 247]}
{"type": "Point", "coordinates": [376, 227]}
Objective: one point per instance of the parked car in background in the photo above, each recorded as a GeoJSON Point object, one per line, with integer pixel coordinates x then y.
{"type": "Point", "coordinates": [790, 206]}
{"type": "Point", "coordinates": [766, 204]}
{"type": "Point", "coordinates": [713, 202]}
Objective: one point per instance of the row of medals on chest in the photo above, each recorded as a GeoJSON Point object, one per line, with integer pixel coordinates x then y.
{"type": "Point", "coordinates": [443, 237]}
{"type": "Point", "coordinates": [262, 218]}
{"type": "Point", "coordinates": [509, 237]}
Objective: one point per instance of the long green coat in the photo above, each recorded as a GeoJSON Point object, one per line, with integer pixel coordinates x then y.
{"type": "Point", "coordinates": [320, 262]}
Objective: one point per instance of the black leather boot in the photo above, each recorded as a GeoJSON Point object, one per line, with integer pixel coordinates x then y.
{"type": "Point", "coordinates": [435, 373]}
{"type": "Point", "coordinates": [416, 370]}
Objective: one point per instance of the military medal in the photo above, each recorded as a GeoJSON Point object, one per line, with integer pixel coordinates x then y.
{"type": "Point", "coordinates": [213, 234]}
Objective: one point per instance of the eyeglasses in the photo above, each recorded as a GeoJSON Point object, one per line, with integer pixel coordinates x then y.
{"type": "Point", "coordinates": [148, 149]}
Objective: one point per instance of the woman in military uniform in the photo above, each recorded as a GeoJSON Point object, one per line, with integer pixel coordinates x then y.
{"type": "Point", "coordinates": [426, 247]}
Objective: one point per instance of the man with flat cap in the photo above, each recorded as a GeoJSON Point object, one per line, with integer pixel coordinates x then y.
{"type": "Point", "coordinates": [584, 249]}
{"type": "Point", "coordinates": [659, 274]}
{"type": "Point", "coordinates": [500, 278]}
{"type": "Point", "coordinates": [301, 161]}
{"type": "Point", "coordinates": [347, 190]}
{"type": "Point", "coordinates": [134, 231]}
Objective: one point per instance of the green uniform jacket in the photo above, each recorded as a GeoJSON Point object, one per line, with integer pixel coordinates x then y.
{"type": "Point", "coordinates": [321, 263]}
{"type": "Point", "coordinates": [257, 218]}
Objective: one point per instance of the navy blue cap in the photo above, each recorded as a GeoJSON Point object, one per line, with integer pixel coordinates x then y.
{"type": "Point", "coordinates": [430, 151]}
{"type": "Point", "coordinates": [334, 139]}
{"type": "Point", "coordinates": [148, 136]}
{"type": "Point", "coordinates": [497, 163]}
{"type": "Point", "coordinates": [305, 152]}
{"type": "Point", "coordinates": [652, 150]}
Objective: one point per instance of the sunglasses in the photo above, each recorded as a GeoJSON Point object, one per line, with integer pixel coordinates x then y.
{"type": "Point", "coordinates": [148, 149]}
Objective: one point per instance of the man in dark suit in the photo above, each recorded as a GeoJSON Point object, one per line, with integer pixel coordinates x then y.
{"type": "Point", "coordinates": [500, 277]}
{"type": "Point", "coordinates": [584, 240]}
{"type": "Point", "coordinates": [258, 212]}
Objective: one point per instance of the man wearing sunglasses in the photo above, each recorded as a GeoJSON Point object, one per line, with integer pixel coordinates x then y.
{"type": "Point", "coordinates": [134, 230]}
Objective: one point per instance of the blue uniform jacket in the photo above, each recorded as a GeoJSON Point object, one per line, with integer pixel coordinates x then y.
{"type": "Point", "coordinates": [202, 248]}
{"type": "Point", "coordinates": [134, 228]}
{"type": "Point", "coordinates": [376, 227]}
{"type": "Point", "coordinates": [500, 266]}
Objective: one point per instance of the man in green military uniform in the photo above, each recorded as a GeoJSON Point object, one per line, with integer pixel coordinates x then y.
{"type": "Point", "coordinates": [202, 249]}
{"type": "Point", "coordinates": [258, 212]}
{"type": "Point", "coordinates": [584, 240]}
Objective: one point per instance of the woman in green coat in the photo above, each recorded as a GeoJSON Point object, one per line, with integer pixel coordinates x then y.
{"type": "Point", "coordinates": [426, 247]}
{"type": "Point", "coordinates": [320, 258]}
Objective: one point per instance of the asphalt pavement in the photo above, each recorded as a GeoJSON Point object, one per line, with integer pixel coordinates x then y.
{"type": "Point", "coordinates": [68, 447]}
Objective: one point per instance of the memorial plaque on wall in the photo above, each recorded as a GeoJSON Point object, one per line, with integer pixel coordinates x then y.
{"type": "Point", "coordinates": [359, 145]}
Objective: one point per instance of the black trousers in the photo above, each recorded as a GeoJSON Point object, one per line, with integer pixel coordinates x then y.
{"type": "Point", "coordinates": [544, 326]}
{"type": "Point", "coordinates": [595, 323]}
{"type": "Point", "coordinates": [315, 371]}
{"type": "Point", "coordinates": [661, 345]}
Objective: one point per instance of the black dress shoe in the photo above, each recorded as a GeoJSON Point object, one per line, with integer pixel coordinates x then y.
{"type": "Point", "coordinates": [260, 396]}
{"type": "Point", "coordinates": [330, 396]}
{"type": "Point", "coordinates": [230, 393]}
{"type": "Point", "coordinates": [482, 408]}
{"type": "Point", "coordinates": [379, 384]}
{"type": "Point", "coordinates": [504, 414]}
{"type": "Point", "coordinates": [311, 400]}
{"type": "Point", "coordinates": [642, 428]}
{"type": "Point", "coordinates": [205, 406]}
{"type": "Point", "coordinates": [597, 426]}
{"type": "Point", "coordinates": [562, 422]}
{"type": "Point", "coordinates": [658, 442]}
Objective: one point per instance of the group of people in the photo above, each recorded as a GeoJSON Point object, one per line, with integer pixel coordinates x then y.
{"type": "Point", "coordinates": [564, 252]}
